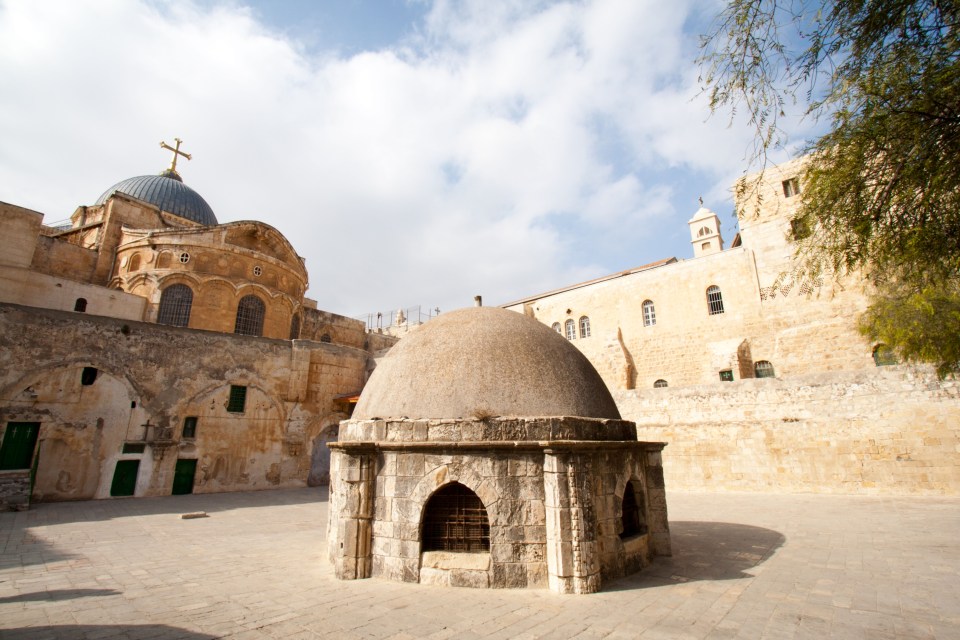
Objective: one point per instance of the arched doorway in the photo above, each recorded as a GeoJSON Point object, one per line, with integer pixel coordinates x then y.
{"type": "Point", "coordinates": [320, 456]}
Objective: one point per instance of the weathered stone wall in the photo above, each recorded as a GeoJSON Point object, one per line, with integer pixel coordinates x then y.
{"type": "Point", "coordinates": [149, 378]}
{"type": "Point", "coordinates": [886, 430]}
{"type": "Point", "coordinates": [552, 489]}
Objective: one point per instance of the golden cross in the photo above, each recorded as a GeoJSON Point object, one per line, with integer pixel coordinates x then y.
{"type": "Point", "coordinates": [176, 152]}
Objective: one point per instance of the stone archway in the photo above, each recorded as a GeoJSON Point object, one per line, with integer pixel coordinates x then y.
{"type": "Point", "coordinates": [320, 456]}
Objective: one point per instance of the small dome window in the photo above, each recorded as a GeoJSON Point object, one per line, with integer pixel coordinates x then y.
{"type": "Point", "coordinates": [184, 257]}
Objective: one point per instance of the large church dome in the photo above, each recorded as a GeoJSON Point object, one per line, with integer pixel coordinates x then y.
{"type": "Point", "coordinates": [484, 361]}
{"type": "Point", "coordinates": [167, 192]}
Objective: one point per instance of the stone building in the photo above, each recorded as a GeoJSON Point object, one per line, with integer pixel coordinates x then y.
{"type": "Point", "coordinates": [757, 379]}
{"type": "Point", "coordinates": [486, 452]}
{"type": "Point", "coordinates": [147, 349]}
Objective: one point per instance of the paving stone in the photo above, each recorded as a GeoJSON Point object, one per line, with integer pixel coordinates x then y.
{"type": "Point", "coordinates": [744, 566]}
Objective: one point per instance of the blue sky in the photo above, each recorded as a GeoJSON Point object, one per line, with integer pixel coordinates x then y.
{"type": "Point", "coordinates": [415, 153]}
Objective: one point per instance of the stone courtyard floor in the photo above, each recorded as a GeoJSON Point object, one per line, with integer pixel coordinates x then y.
{"type": "Point", "coordinates": [744, 566]}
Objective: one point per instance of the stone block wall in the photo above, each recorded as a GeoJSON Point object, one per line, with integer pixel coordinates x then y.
{"type": "Point", "coordinates": [553, 503]}
{"type": "Point", "coordinates": [886, 430]}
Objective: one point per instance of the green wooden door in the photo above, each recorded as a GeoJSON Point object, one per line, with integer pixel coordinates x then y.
{"type": "Point", "coordinates": [183, 477]}
{"type": "Point", "coordinates": [19, 441]}
{"type": "Point", "coordinates": [125, 478]}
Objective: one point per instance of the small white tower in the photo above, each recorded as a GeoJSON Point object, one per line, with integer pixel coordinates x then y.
{"type": "Point", "coordinates": [705, 232]}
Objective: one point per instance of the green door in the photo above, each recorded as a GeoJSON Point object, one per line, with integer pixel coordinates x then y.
{"type": "Point", "coordinates": [19, 441]}
{"type": "Point", "coordinates": [183, 477]}
{"type": "Point", "coordinates": [125, 478]}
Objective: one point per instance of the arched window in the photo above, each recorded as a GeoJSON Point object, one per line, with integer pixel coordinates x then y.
{"type": "Point", "coordinates": [134, 262]}
{"type": "Point", "coordinates": [632, 511]}
{"type": "Point", "coordinates": [584, 327]}
{"type": "Point", "coordinates": [80, 305]}
{"type": "Point", "coordinates": [556, 327]}
{"type": "Point", "coordinates": [714, 300]}
{"type": "Point", "coordinates": [163, 261]}
{"type": "Point", "coordinates": [325, 338]}
{"type": "Point", "coordinates": [295, 327]}
{"type": "Point", "coordinates": [763, 369]}
{"type": "Point", "coordinates": [250, 312]}
{"type": "Point", "coordinates": [703, 232]}
{"type": "Point", "coordinates": [649, 314]}
{"type": "Point", "coordinates": [175, 303]}
{"type": "Point", "coordinates": [454, 519]}
{"type": "Point", "coordinates": [571, 328]}
{"type": "Point", "coordinates": [883, 355]}
{"type": "Point", "coordinates": [660, 384]}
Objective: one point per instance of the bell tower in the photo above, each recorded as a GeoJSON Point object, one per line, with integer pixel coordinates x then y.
{"type": "Point", "coordinates": [705, 232]}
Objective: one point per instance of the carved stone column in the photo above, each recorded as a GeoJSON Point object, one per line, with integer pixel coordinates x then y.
{"type": "Point", "coordinates": [572, 556]}
{"type": "Point", "coordinates": [352, 511]}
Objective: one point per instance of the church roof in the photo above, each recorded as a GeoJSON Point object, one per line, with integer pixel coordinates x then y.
{"type": "Point", "coordinates": [167, 192]}
{"type": "Point", "coordinates": [484, 361]}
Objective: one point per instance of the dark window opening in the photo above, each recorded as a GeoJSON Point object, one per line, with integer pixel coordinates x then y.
{"type": "Point", "coordinates": [325, 338]}
{"type": "Point", "coordinates": [88, 376]}
{"type": "Point", "coordinates": [884, 355]}
{"type": "Point", "coordinates": [714, 300]}
{"type": "Point", "coordinates": [133, 447]}
{"type": "Point", "coordinates": [80, 305]}
{"type": "Point", "coordinates": [133, 404]}
{"type": "Point", "coordinates": [726, 375]}
{"type": "Point", "coordinates": [660, 384]}
{"type": "Point", "coordinates": [250, 312]}
{"type": "Point", "coordinates": [763, 369]}
{"type": "Point", "coordinates": [295, 328]}
{"type": "Point", "coordinates": [175, 303]}
{"type": "Point", "coordinates": [632, 519]}
{"type": "Point", "coordinates": [190, 427]}
{"type": "Point", "coordinates": [791, 187]}
{"type": "Point", "coordinates": [455, 520]}
{"type": "Point", "coordinates": [237, 402]}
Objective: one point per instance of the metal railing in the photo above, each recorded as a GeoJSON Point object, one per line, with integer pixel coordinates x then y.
{"type": "Point", "coordinates": [399, 318]}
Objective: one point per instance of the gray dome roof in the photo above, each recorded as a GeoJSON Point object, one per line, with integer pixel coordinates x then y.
{"type": "Point", "coordinates": [484, 361]}
{"type": "Point", "coordinates": [167, 192]}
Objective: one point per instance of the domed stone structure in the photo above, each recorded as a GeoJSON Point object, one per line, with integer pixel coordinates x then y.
{"type": "Point", "coordinates": [168, 193]}
{"type": "Point", "coordinates": [486, 451]}
{"type": "Point", "coordinates": [485, 361]}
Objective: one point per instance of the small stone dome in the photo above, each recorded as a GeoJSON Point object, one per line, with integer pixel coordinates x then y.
{"type": "Point", "coordinates": [484, 361]}
{"type": "Point", "coordinates": [167, 192]}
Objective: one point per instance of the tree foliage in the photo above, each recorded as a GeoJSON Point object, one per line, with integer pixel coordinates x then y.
{"type": "Point", "coordinates": [882, 188]}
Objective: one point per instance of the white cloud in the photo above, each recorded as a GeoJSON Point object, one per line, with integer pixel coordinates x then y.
{"type": "Point", "coordinates": [446, 166]}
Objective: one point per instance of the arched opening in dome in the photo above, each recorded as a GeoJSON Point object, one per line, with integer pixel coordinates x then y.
{"type": "Point", "coordinates": [632, 511]}
{"type": "Point", "coordinates": [454, 519]}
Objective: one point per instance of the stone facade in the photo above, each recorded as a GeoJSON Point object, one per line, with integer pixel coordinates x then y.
{"type": "Point", "coordinates": [886, 430]}
{"type": "Point", "coordinates": [148, 380]}
{"type": "Point", "coordinates": [553, 490]}
{"type": "Point", "coordinates": [239, 383]}
{"type": "Point", "coordinates": [770, 385]}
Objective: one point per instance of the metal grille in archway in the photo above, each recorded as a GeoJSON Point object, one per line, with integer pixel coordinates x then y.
{"type": "Point", "coordinates": [250, 312]}
{"type": "Point", "coordinates": [175, 303]}
{"type": "Point", "coordinates": [455, 520]}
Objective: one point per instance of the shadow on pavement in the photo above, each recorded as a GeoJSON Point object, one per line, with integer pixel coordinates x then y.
{"type": "Point", "coordinates": [83, 631]}
{"type": "Point", "coordinates": [58, 594]}
{"type": "Point", "coordinates": [97, 510]}
{"type": "Point", "coordinates": [706, 551]}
